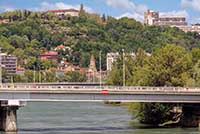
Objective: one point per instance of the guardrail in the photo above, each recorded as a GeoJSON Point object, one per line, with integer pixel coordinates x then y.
{"type": "Point", "coordinates": [85, 88]}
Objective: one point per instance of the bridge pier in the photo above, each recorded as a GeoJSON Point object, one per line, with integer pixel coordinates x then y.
{"type": "Point", "coordinates": [8, 121]}
{"type": "Point", "coordinates": [191, 115]}
{"type": "Point", "coordinates": [8, 115]}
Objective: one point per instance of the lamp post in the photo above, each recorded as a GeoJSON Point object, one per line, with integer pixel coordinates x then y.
{"type": "Point", "coordinates": [40, 77]}
{"type": "Point", "coordinates": [34, 74]}
{"type": "Point", "coordinates": [124, 75]}
{"type": "Point", "coordinates": [100, 68]}
{"type": "Point", "coordinates": [0, 67]}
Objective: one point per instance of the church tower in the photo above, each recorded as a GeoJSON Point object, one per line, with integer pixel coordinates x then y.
{"type": "Point", "coordinates": [92, 66]}
{"type": "Point", "coordinates": [82, 8]}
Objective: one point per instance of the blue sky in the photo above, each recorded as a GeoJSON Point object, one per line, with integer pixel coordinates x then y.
{"type": "Point", "coordinates": [116, 8]}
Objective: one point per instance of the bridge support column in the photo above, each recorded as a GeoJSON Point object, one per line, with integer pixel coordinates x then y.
{"type": "Point", "coordinates": [191, 115]}
{"type": "Point", "coordinates": [8, 115]}
{"type": "Point", "coordinates": [8, 119]}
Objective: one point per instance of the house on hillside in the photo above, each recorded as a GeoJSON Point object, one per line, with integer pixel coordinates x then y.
{"type": "Point", "coordinates": [64, 12]}
{"type": "Point", "coordinates": [4, 20]}
{"type": "Point", "coordinates": [49, 55]}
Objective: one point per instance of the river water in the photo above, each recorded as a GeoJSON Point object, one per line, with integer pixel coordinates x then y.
{"type": "Point", "coordinates": [82, 118]}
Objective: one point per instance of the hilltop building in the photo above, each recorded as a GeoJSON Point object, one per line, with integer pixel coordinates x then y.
{"type": "Point", "coordinates": [64, 12]}
{"type": "Point", "coordinates": [153, 18]}
{"type": "Point", "coordinates": [192, 28]}
{"type": "Point", "coordinates": [9, 62]}
{"type": "Point", "coordinates": [4, 20]}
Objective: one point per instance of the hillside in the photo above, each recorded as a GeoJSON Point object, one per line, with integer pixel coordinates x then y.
{"type": "Point", "coordinates": [30, 33]}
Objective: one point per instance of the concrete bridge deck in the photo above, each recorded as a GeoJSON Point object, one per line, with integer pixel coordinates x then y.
{"type": "Point", "coordinates": [96, 93]}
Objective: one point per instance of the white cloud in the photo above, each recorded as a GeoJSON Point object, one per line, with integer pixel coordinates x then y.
{"type": "Point", "coordinates": [134, 15]}
{"type": "Point", "coordinates": [130, 9]}
{"type": "Point", "coordinates": [61, 5]}
{"type": "Point", "coordinates": [128, 4]}
{"type": "Point", "coordinates": [141, 8]}
{"type": "Point", "coordinates": [6, 8]}
{"type": "Point", "coordinates": [195, 4]}
{"type": "Point", "coordinates": [182, 13]}
{"type": "Point", "coordinates": [194, 20]}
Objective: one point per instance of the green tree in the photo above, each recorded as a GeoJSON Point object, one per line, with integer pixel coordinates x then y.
{"type": "Point", "coordinates": [18, 78]}
{"type": "Point", "coordinates": [50, 76]}
{"type": "Point", "coordinates": [115, 76]}
{"type": "Point", "coordinates": [155, 113]}
{"type": "Point", "coordinates": [73, 76]}
{"type": "Point", "coordinates": [170, 66]}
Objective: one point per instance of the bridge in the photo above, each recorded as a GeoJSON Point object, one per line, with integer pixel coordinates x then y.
{"type": "Point", "coordinates": [96, 93]}
{"type": "Point", "coordinates": [13, 96]}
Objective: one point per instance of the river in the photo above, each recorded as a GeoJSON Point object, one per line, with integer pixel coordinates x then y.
{"type": "Point", "coordinates": [82, 118]}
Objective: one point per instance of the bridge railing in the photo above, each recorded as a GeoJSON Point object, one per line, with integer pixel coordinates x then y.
{"type": "Point", "coordinates": [85, 88]}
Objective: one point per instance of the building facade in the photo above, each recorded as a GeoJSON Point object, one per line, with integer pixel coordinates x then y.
{"type": "Point", "coordinates": [110, 59]}
{"type": "Point", "coordinates": [9, 62]}
{"type": "Point", "coordinates": [4, 20]}
{"type": "Point", "coordinates": [192, 28]}
{"type": "Point", "coordinates": [63, 12]}
{"type": "Point", "coordinates": [49, 55]}
{"type": "Point", "coordinates": [153, 18]}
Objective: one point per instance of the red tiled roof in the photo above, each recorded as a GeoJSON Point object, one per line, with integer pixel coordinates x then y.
{"type": "Point", "coordinates": [61, 46]}
{"type": "Point", "coordinates": [67, 63]}
{"type": "Point", "coordinates": [20, 68]}
{"type": "Point", "coordinates": [63, 10]}
{"type": "Point", "coordinates": [4, 20]}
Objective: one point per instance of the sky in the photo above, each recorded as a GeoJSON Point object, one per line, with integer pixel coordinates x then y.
{"type": "Point", "coordinates": [116, 8]}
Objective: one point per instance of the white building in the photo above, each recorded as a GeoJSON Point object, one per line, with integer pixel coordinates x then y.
{"type": "Point", "coordinates": [63, 12]}
{"type": "Point", "coordinates": [112, 57]}
{"type": "Point", "coordinates": [153, 18]}
{"type": "Point", "coordinates": [192, 28]}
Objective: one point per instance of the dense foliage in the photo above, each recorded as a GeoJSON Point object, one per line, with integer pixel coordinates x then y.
{"type": "Point", "coordinates": [28, 34]}
{"type": "Point", "coordinates": [169, 65]}
{"type": "Point", "coordinates": [31, 76]}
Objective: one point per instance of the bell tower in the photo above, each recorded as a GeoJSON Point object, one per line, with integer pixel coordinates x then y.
{"type": "Point", "coordinates": [92, 66]}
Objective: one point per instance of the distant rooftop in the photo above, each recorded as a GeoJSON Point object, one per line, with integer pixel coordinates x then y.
{"type": "Point", "coordinates": [49, 53]}
{"type": "Point", "coordinates": [63, 10]}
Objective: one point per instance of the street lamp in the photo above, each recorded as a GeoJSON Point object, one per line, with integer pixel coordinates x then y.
{"type": "Point", "coordinates": [0, 67]}
{"type": "Point", "coordinates": [124, 81]}
{"type": "Point", "coordinates": [34, 73]}
{"type": "Point", "coordinates": [100, 68]}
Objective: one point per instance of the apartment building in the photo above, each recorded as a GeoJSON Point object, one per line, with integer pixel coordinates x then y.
{"type": "Point", "coordinates": [153, 18]}
{"type": "Point", "coordinates": [9, 62]}
{"type": "Point", "coordinates": [112, 57]}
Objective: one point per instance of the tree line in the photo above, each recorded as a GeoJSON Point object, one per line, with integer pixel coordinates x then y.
{"type": "Point", "coordinates": [31, 33]}
{"type": "Point", "coordinates": [170, 66]}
